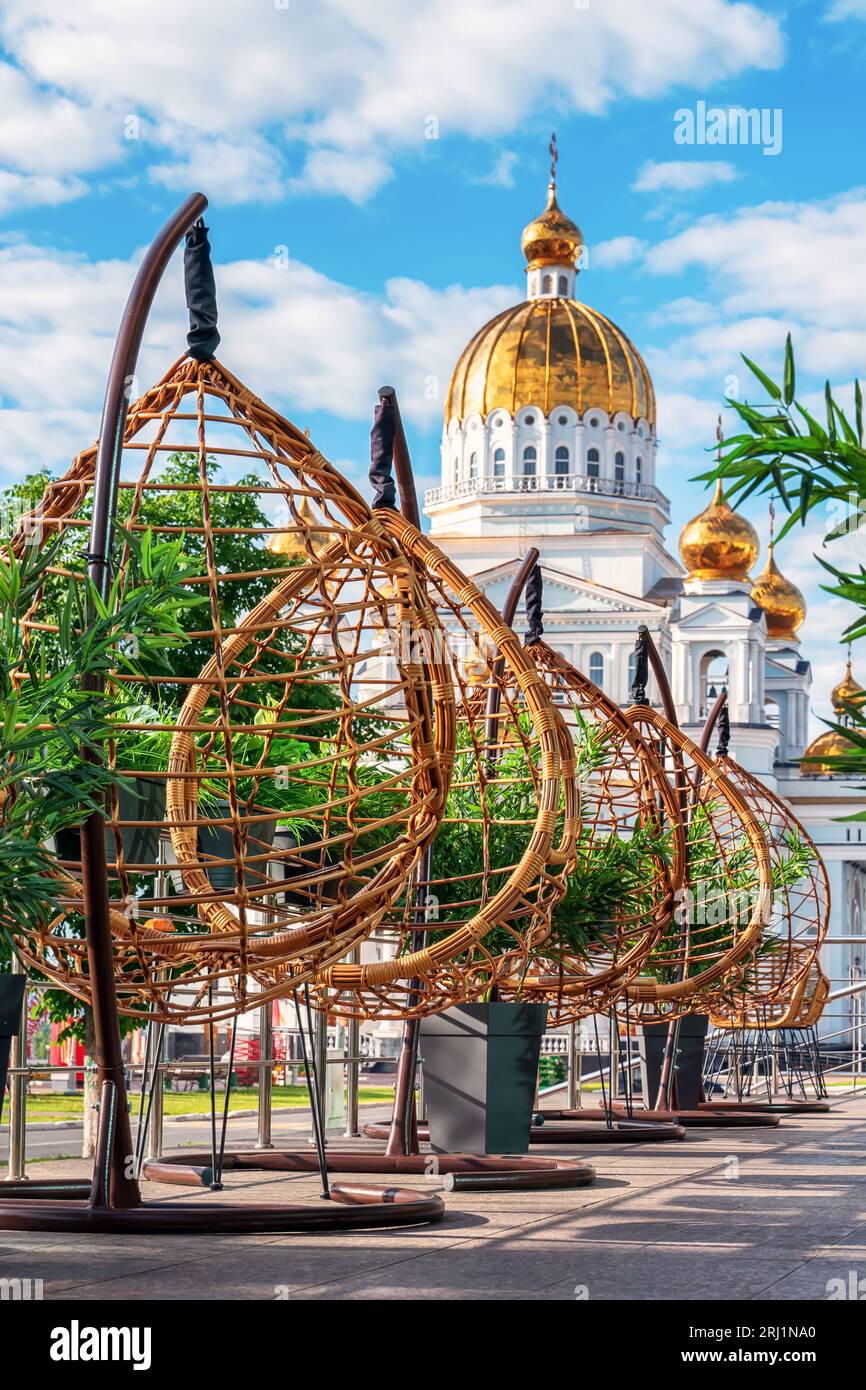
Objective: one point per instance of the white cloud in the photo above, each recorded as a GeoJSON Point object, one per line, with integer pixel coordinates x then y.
{"type": "Point", "coordinates": [357, 176]}
{"type": "Point", "coordinates": [48, 134]}
{"type": "Point", "coordinates": [682, 176]}
{"type": "Point", "coordinates": [502, 173]}
{"type": "Point", "coordinates": [847, 9]}
{"type": "Point", "coordinates": [232, 172]}
{"type": "Point", "coordinates": [620, 250]}
{"type": "Point", "coordinates": [343, 76]}
{"type": "Point", "coordinates": [783, 264]}
{"type": "Point", "coordinates": [299, 339]}
{"type": "Point", "coordinates": [35, 190]}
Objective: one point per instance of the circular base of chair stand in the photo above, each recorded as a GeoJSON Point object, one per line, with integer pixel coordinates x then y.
{"type": "Point", "coordinates": [770, 1107]}
{"type": "Point", "coordinates": [703, 1119]}
{"type": "Point", "coordinates": [622, 1131]}
{"type": "Point", "coordinates": [351, 1207]}
{"type": "Point", "coordinates": [570, 1127]}
{"type": "Point", "coordinates": [459, 1171]}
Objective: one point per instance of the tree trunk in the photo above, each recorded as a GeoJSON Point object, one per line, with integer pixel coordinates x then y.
{"type": "Point", "coordinates": [91, 1114]}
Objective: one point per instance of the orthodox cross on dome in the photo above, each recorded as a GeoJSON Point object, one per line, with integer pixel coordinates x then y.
{"type": "Point", "coordinates": [554, 159]}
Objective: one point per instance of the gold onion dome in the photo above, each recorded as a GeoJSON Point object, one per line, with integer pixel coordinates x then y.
{"type": "Point", "coordinates": [719, 543]}
{"type": "Point", "coordinates": [817, 758]}
{"type": "Point", "coordinates": [552, 238]}
{"type": "Point", "coordinates": [547, 353]}
{"type": "Point", "coordinates": [848, 691]}
{"type": "Point", "coordinates": [783, 604]}
{"type": "Point", "coordinates": [290, 543]}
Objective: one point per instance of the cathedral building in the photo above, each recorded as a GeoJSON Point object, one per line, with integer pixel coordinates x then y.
{"type": "Point", "coordinates": [549, 439]}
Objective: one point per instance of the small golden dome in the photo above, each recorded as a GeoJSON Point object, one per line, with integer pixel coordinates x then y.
{"type": "Point", "coordinates": [832, 744]}
{"type": "Point", "coordinates": [291, 543]}
{"type": "Point", "coordinates": [552, 238]}
{"type": "Point", "coordinates": [719, 543]}
{"type": "Point", "coordinates": [846, 692]}
{"type": "Point", "coordinates": [783, 604]}
{"type": "Point", "coordinates": [546, 353]}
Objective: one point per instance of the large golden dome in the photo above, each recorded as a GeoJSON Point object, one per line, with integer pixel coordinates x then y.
{"type": "Point", "coordinates": [552, 238]}
{"type": "Point", "coordinates": [719, 543]}
{"type": "Point", "coordinates": [550, 352]}
{"type": "Point", "coordinates": [783, 604]}
{"type": "Point", "coordinates": [817, 757]}
{"type": "Point", "coordinates": [833, 744]}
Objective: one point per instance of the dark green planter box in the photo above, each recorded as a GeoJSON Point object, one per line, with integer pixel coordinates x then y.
{"type": "Point", "coordinates": [689, 1060]}
{"type": "Point", "coordinates": [143, 801]}
{"type": "Point", "coordinates": [218, 841]}
{"type": "Point", "coordinates": [11, 999]}
{"type": "Point", "coordinates": [480, 1071]}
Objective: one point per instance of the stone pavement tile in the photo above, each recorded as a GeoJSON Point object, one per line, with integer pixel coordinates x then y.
{"type": "Point", "coordinates": [815, 1280]}
{"type": "Point", "coordinates": [269, 1270]}
{"type": "Point", "coordinates": [538, 1270]}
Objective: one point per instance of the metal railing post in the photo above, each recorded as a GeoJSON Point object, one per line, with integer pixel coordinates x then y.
{"type": "Point", "coordinates": [353, 1077]}
{"type": "Point", "coordinates": [266, 1076]}
{"type": "Point", "coordinates": [157, 1109]}
{"type": "Point", "coordinates": [574, 1096]}
{"type": "Point", "coordinates": [18, 1092]}
{"type": "Point", "coordinates": [321, 1045]}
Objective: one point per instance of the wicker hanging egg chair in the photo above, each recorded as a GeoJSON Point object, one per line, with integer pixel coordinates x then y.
{"type": "Point", "coordinates": [630, 854]}
{"type": "Point", "coordinates": [726, 892]}
{"type": "Point", "coordinates": [298, 791]}
{"type": "Point", "coordinates": [772, 985]}
{"type": "Point", "coordinates": [501, 856]}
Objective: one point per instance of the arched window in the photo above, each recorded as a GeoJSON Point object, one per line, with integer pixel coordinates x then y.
{"type": "Point", "coordinates": [530, 460]}
{"type": "Point", "coordinates": [563, 284]}
{"type": "Point", "coordinates": [596, 669]}
{"type": "Point", "coordinates": [619, 468]}
{"type": "Point", "coordinates": [499, 463]}
{"type": "Point", "coordinates": [456, 469]}
{"type": "Point", "coordinates": [473, 465]}
{"type": "Point", "coordinates": [638, 469]}
{"type": "Point", "coordinates": [593, 463]}
{"type": "Point", "coordinates": [547, 285]}
{"type": "Point", "coordinates": [561, 464]}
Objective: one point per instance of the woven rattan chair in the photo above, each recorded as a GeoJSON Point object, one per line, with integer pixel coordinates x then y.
{"type": "Point", "coordinates": [285, 732]}
{"type": "Point", "coordinates": [623, 792]}
{"type": "Point", "coordinates": [483, 920]}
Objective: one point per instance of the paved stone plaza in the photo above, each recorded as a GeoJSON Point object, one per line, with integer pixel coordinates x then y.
{"type": "Point", "coordinates": [764, 1215]}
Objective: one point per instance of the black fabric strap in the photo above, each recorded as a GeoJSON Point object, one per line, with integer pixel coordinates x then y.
{"type": "Point", "coordinates": [641, 669]}
{"type": "Point", "coordinates": [724, 731]}
{"type": "Point", "coordinates": [382, 454]}
{"type": "Point", "coordinates": [203, 336]}
{"type": "Point", "coordinates": [534, 606]}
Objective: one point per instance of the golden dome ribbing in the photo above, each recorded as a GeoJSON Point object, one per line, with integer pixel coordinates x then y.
{"type": "Point", "coordinates": [719, 543]}
{"type": "Point", "coordinates": [550, 352]}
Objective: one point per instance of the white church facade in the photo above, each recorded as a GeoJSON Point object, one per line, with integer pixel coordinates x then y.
{"type": "Point", "coordinates": [549, 439]}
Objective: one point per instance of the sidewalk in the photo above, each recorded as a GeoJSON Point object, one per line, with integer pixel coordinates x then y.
{"type": "Point", "coordinates": [763, 1214]}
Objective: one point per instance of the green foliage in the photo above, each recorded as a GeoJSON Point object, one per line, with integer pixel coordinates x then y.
{"type": "Point", "coordinates": [52, 721]}
{"type": "Point", "coordinates": [784, 450]}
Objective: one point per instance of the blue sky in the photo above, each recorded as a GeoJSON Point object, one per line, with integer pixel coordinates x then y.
{"type": "Point", "coordinates": [307, 124]}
